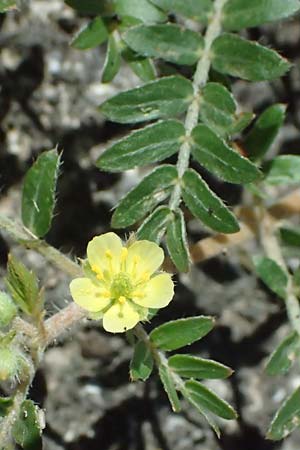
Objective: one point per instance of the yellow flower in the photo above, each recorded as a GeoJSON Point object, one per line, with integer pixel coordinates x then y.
{"type": "Point", "coordinates": [121, 283]}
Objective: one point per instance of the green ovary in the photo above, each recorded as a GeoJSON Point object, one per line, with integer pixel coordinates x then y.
{"type": "Point", "coordinates": [121, 286]}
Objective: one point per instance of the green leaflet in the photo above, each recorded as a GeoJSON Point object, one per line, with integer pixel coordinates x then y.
{"type": "Point", "coordinates": [217, 108]}
{"type": "Point", "coordinates": [284, 356]}
{"type": "Point", "coordinates": [272, 275]}
{"type": "Point", "coordinates": [169, 42]}
{"type": "Point", "coordinates": [215, 155]}
{"type": "Point", "coordinates": [105, 7]}
{"type": "Point", "coordinates": [154, 227]}
{"type": "Point", "coordinates": [264, 132]}
{"type": "Point", "coordinates": [284, 169]}
{"type": "Point", "coordinates": [112, 61]}
{"type": "Point", "coordinates": [177, 242]}
{"type": "Point", "coordinates": [179, 333]}
{"type": "Point", "coordinates": [238, 57]}
{"type": "Point", "coordinates": [141, 364]}
{"type": "Point", "coordinates": [153, 143]}
{"type": "Point", "coordinates": [287, 418]}
{"type": "Point", "coordinates": [169, 387]}
{"type": "Point", "coordinates": [188, 366]}
{"type": "Point", "coordinates": [165, 97]}
{"type": "Point", "coordinates": [205, 205]}
{"type": "Point", "coordinates": [197, 10]}
{"type": "Point", "coordinates": [152, 190]}
{"type": "Point", "coordinates": [240, 14]}
{"type": "Point", "coordinates": [23, 286]}
{"type": "Point", "coordinates": [142, 67]}
{"type": "Point", "coordinates": [204, 399]}
{"type": "Point", "coordinates": [5, 404]}
{"type": "Point", "coordinates": [140, 9]}
{"type": "Point", "coordinates": [26, 429]}
{"type": "Point", "coordinates": [38, 197]}
{"type": "Point", "coordinates": [290, 236]}
{"type": "Point", "coordinates": [6, 5]}
{"type": "Point", "coordinates": [91, 35]}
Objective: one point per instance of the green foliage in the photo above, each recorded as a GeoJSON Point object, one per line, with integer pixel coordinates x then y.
{"type": "Point", "coordinates": [206, 400]}
{"type": "Point", "coordinates": [91, 6]}
{"type": "Point", "coordinates": [152, 190]}
{"type": "Point", "coordinates": [162, 98]}
{"type": "Point", "coordinates": [205, 205]}
{"type": "Point", "coordinates": [199, 10]}
{"type": "Point", "coordinates": [38, 198]}
{"type": "Point", "coordinates": [188, 366]}
{"type": "Point", "coordinates": [264, 132]}
{"type": "Point", "coordinates": [90, 36]}
{"type": "Point", "coordinates": [6, 5]}
{"type": "Point", "coordinates": [140, 9]}
{"type": "Point", "coordinates": [179, 333]}
{"type": "Point", "coordinates": [5, 404]}
{"type": "Point", "coordinates": [154, 227]}
{"type": "Point", "coordinates": [169, 42]}
{"type": "Point", "coordinates": [272, 275]}
{"type": "Point", "coordinates": [142, 362]}
{"type": "Point", "coordinates": [151, 144]}
{"type": "Point", "coordinates": [239, 14]}
{"type": "Point", "coordinates": [23, 286]}
{"type": "Point", "coordinates": [169, 387]}
{"type": "Point", "coordinates": [238, 57]}
{"type": "Point", "coordinates": [112, 61]}
{"type": "Point", "coordinates": [287, 419]}
{"type": "Point", "coordinates": [284, 356]}
{"type": "Point", "coordinates": [26, 429]}
{"type": "Point", "coordinates": [8, 309]}
{"type": "Point", "coordinates": [284, 169]}
{"type": "Point", "coordinates": [216, 156]}
{"type": "Point", "coordinates": [177, 242]}
{"type": "Point", "coordinates": [290, 236]}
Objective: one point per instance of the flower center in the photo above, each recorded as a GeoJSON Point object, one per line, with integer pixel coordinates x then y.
{"type": "Point", "coordinates": [121, 286]}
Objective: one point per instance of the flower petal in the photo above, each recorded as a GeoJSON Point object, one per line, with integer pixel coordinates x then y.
{"type": "Point", "coordinates": [87, 295]}
{"type": "Point", "coordinates": [158, 292]}
{"type": "Point", "coordinates": [143, 259]}
{"type": "Point", "coordinates": [104, 252]}
{"type": "Point", "coordinates": [120, 318]}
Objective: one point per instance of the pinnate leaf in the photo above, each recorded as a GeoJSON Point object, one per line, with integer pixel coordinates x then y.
{"type": "Point", "coordinates": [197, 10]}
{"type": "Point", "coordinates": [140, 9]}
{"type": "Point", "coordinates": [169, 387]}
{"type": "Point", "coordinates": [284, 169]}
{"type": "Point", "coordinates": [91, 35]}
{"type": "Point", "coordinates": [26, 429]}
{"type": "Point", "coordinates": [142, 362]}
{"type": "Point", "coordinates": [272, 275]}
{"type": "Point", "coordinates": [112, 61]}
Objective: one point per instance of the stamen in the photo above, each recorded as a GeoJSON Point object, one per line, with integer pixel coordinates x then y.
{"type": "Point", "coordinates": [122, 299]}
{"type": "Point", "coordinates": [138, 294]}
{"type": "Point", "coordinates": [124, 254]}
{"type": "Point", "coordinates": [145, 276]}
{"type": "Point", "coordinates": [98, 271]}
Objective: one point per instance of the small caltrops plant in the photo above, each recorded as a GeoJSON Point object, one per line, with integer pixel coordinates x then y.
{"type": "Point", "coordinates": [184, 124]}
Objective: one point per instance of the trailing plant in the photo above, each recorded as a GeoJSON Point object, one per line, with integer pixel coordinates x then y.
{"type": "Point", "coordinates": [193, 127]}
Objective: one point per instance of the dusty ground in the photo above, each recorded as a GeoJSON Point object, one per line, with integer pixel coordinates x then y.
{"type": "Point", "coordinates": [49, 94]}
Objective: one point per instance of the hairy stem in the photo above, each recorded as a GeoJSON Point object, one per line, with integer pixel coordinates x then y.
{"type": "Point", "coordinates": [200, 79]}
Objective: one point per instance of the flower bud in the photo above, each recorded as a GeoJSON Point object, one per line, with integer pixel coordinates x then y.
{"type": "Point", "coordinates": [10, 363]}
{"type": "Point", "coordinates": [8, 309]}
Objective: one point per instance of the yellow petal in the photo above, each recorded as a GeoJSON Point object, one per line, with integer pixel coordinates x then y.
{"type": "Point", "coordinates": [104, 253]}
{"type": "Point", "coordinates": [120, 317]}
{"type": "Point", "coordinates": [157, 293]}
{"type": "Point", "coordinates": [87, 295]}
{"type": "Point", "coordinates": [143, 259]}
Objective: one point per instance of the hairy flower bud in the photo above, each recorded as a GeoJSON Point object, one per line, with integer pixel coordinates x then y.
{"type": "Point", "coordinates": [11, 362]}
{"type": "Point", "coordinates": [8, 309]}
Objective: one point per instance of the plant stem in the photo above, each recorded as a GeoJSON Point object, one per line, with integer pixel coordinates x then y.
{"type": "Point", "coordinates": [273, 251]}
{"type": "Point", "coordinates": [200, 79]}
